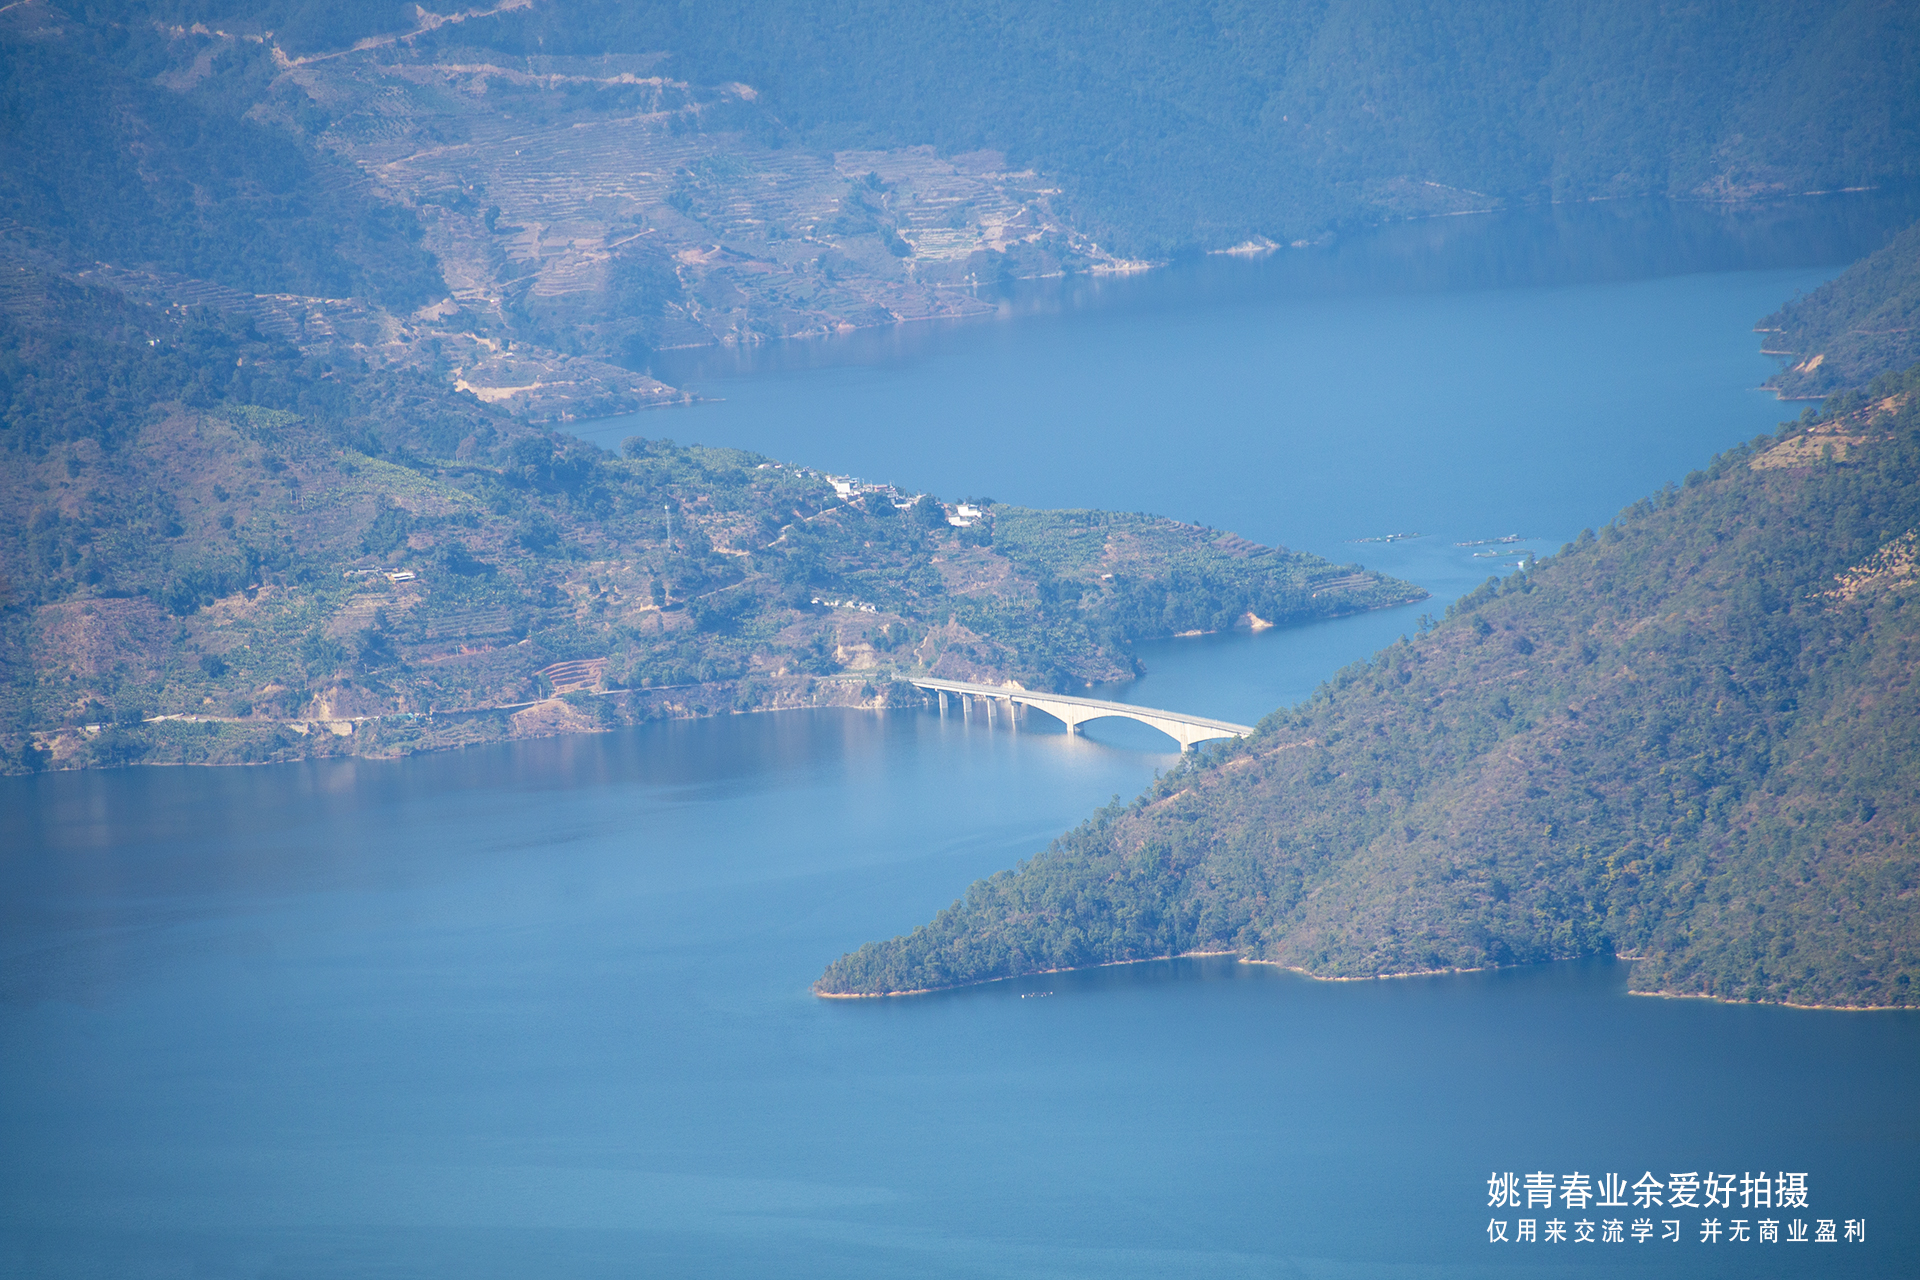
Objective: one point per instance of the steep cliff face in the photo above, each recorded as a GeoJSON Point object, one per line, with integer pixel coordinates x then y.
{"type": "Point", "coordinates": [1693, 740]}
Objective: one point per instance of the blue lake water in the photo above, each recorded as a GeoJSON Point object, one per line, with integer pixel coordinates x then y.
{"type": "Point", "coordinates": [541, 1009]}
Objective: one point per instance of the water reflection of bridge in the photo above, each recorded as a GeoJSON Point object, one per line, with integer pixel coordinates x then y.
{"type": "Point", "coordinates": [1187, 730]}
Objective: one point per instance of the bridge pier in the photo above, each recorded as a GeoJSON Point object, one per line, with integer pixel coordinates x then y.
{"type": "Point", "coordinates": [1072, 713]}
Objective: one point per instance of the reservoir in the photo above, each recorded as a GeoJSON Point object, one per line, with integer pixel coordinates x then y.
{"type": "Point", "coordinates": [542, 1009]}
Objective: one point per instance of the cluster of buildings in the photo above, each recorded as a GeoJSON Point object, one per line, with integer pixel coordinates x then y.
{"type": "Point", "coordinates": [960, 515]}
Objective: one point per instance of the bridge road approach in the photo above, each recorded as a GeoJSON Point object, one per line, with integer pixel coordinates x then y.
{"type": "Point", "coordinates": [1188, 731]}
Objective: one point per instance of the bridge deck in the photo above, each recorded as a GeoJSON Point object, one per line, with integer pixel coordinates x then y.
{"type": "Point", "coordinates": [1170, 722]}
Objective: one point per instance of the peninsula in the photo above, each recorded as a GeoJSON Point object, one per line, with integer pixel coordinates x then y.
{"type": "Point", "coordinates": [229, 555]}
{"type": "Point", "coordinates": [1691, 740]}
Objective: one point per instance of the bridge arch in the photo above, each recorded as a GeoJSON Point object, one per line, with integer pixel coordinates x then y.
{"type": "Point", "coordinates": [1188, 731]}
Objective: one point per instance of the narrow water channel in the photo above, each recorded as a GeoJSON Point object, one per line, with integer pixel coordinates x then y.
{"type": "Point", "coordinates": [541, 1009]}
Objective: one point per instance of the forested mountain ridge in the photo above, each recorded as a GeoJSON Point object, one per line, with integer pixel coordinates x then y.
{"type": "Point", "coordinates": [526, 229]}
{"type": "Point", "coordinates": [1203, 124]}
{"type": "Point", "coordinates": [227, 550]}
{"type": "Point", "coordinates": [1864, 320]}
{"type": "Point", "coordinates": [527, 201]}
{"type": "Point", "coordinates": [1692, 740]}
{"type": "Point", "coordinates": [1206, 124]}
{"type": "Point", "coordinates": [112, 153]}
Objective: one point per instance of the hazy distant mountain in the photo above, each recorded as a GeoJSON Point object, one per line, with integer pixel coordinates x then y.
{"type": "Point", "coordinates": [527, 200]}
{"type": "Point", "coordinates": [526, 229]}
{"type": "Point", "coordinates": [1205, 124]}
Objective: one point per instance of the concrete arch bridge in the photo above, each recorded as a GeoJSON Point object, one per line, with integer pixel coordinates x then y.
{"type": "Point", "coordinates": [1188, 731]}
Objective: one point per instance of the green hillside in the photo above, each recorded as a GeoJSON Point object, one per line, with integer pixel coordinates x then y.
{"type": "Point", "coordinates": [212, 525]}
{"type": "Point", "coordinates": [1863, 321]}
{"type": "Point", "coordinates": [107, 153]}
{"type": "Point", "coordinates": [1693, 740]}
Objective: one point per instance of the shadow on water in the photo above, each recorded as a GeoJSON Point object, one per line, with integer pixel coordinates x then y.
{"type": "Point", "coordinates": [1569, 244]}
